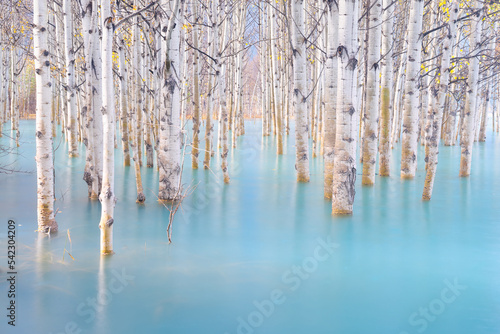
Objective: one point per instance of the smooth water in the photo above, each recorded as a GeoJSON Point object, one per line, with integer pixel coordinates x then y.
{"type": "Point", "coordinates": [261, 255]}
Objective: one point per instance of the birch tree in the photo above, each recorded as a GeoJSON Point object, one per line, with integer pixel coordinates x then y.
{"type": "Point", "coordinates": [276, 79]}
{"type": "Point", "coordinates": [107, 196]}
{"type": "Point", "coordinates": [344, 170]}
{"type": "Point", "coordinates": [93, 116]}
{"type": "Point", "coordinates": [467, 135]}
{"type": "Point", "coordinates": [371, 113]}
{"type": "Point", "coordinates": [386, 67]}
{"type": "Point", "coordinates": [44, 162]}
{"type": "Point", "coordinates": [124, 108]}
{"type": "Point", "coordinates": [14, 100]}
{"type": "Point", "coordinates": [411, 97]}
{"type": "Point", "coordinates": [330, 96]}
{"type": "Point", "coordinates": [213, 37]}
{"type": "Point", "coordinates": [300, 90]}
{"type": "Point", "coordinates": [221, 79]}
{"type": "Point", "coordinates": [69, 54]}
{"type": "Point", "coordinates": [196, 90]}
{"type": "Point", "coordinates": [437, 105]}
{"type": "Point", "coordinates": [169, 153]}
{"type": "Point", "coordinates": [96, 69]}
{"type": "Point", "coordinates": [137, 100]}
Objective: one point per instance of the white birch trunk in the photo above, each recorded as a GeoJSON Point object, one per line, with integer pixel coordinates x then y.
{"type": "Point", "coordinates": [90, 174]}
{"type": "Point", "coordinates": [426, 98]}
{"type": "Point", "coordinates": [136, 111]}
{"type": "Point", "coordinates": [169, 154]}
{"type": "Point", "coordinates": [484, 114]}
{"type": "Point", "coordinates": [299, 49]}
{"type": "Point", "coordinates": [451, 121]}
{"type": "Point", "coordinates": [107, 196]}
{"type": "Point", "coordinates": [146, 102]}
{"type": "Point", "coordinates": [213, 45]}
{"type": "Point", "coordinates": [386, 105]}
{"type": "Point", "coordinates": [44, 162]}
{"type": "Point", "coordinates": [330, 97]}
{"type": "Point", "coordinates": [437, 104]}
{"type": "Point", "coordinates": [14, 100]}
{"type": "Point", "coordinates": [263, 71]}
{"type": "Point", "coordinates": [371, 114]}
{"type": "Point", "coordinates": [97, 96]}
{"type": "Point", "coordinates": [344, 169]}
{"type": "Point", "coordinates": [276, 80]}
{"type": "Point", "coordinates": [124, 110]}
{"type": "Point", "coordinates": [467, 136]}
{"type": "Point", "coordinates": [398, 98]}
{"type": "Point", "coordinates": [221, 79]}
{"type": "Point", "coordinates": [69, 55]}
{"type": "Point", "coordinates": [411, 97]}
{"type": "Point", "coordinates": [195, 151]}
{"type": "Point", "coordinates": [239, 23]}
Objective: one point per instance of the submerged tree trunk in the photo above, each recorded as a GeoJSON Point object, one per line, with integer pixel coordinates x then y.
{"type": "Point", "coordinates": [107, 196]}
{"type": "Point", "coordinates": [450, 126]}
{"type": "Point", "coordinates": [411, 97]}
{"type": "Point", "coordinates": [88, 111]}
{"type": "Point", "coordinates": [399, 90]}
{"type": "Point", "coordinates": [146, 105]}
{"type": "Point", "coordinates": [386, 108]}
{"type": "Point", "coordinates": [135, 118]}
{"type": "Point", "coordinates": [69, 55]}
{"type": "Point", "coordinates": [372, 92]}
{"type": "Point", "coordinates": [300, 90]}
{"type": "Point", "coordinates": [169, 153]}
{"type": "Point", "coordinates": [330, 97]}
{"type": "Point", "coordinates": [14, 101]}
{"type": "Point", "coordinates": [124, 110]}
{"type": "Point", "coordinates": [435, 116]}
{"type": "Point", "coordinates": [467, 136]}
{"type": "Point", "coordinates": [276, 80]}
{"type": "Point", "coordinates": [44, 162]}
{"type": "Point", "coordinates": [221, 79]}
{"type": "Point", "coordinates": [213, 46]}
{"type": "Point", "coordinates": [96, 70]}
{"type": "Point", "coordinates": [484, 115]}
{"type": "Point", "coordinates": [195, 151]}
{"type": "Point", "coordinates": [344, 170]}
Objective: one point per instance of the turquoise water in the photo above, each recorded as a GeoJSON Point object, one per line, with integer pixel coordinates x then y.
{"type": "Point", "coordinates": [261, 255]}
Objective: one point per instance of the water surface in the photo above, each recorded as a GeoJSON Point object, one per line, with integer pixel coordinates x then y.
{"type": "Point", "coordinates": [389, 267]}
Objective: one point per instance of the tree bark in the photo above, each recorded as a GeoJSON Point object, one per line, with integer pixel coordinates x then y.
{"type": "Point", "coordinates": [44, 162]}
{"type": "Point", "coordinates": [344, 170]}
{"type": "Point", "coordinates": [137, 100]}
{"type": "Point", "coordinates": [371, 114]}
{"type": "Point", "coordinates": [195, 151]}
{"type": "Point", "coordinates": [223, 119]}
{"type": "Point", "coordinates": [69, 55]}
{"type": "Point", "coordinates": [386, 109]}
{"type": "Point", "coordinates": [330, 97]}
{"type": "Point", "coordinates": [169, 154]}
{"type": "Point", "coordinates": [107, 196]}
{"type": "Point", "coordinates": [124, 111]}
{"type": "Point", "coordinates": [300, 93]}
{"type": "Point", "coordinates": [467, 136]}
{"type": "Point", "coordinates": [437, 105]}
{"type": "Point", "coordinates": [213, 46]}
{"type": "Point", "coordinates": [411, 97]}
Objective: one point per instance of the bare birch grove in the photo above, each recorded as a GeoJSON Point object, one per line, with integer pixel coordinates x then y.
{"type": "Point", "coordinates": [178, 83]}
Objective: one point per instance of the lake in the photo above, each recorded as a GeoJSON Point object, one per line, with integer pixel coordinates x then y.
{"type": "Point", "coordinates": [260, 255]}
